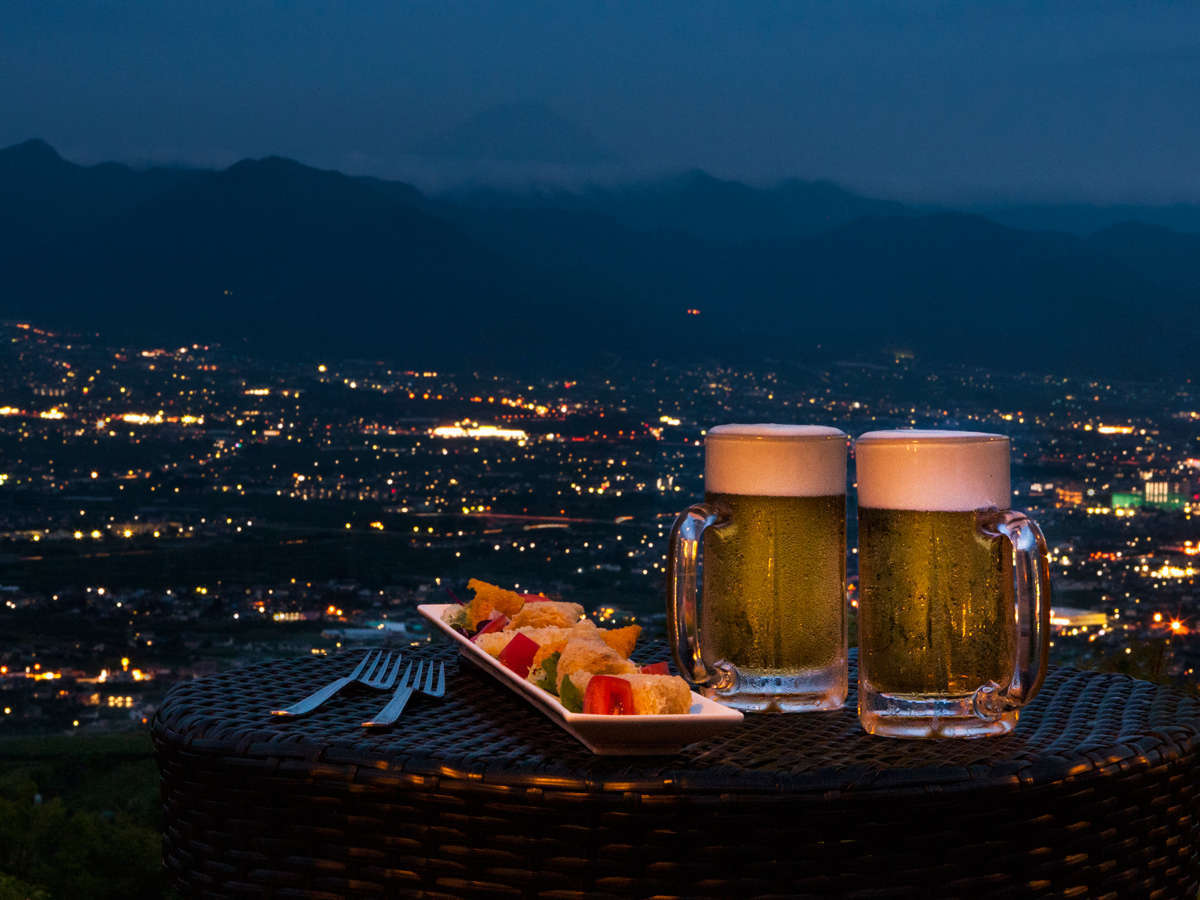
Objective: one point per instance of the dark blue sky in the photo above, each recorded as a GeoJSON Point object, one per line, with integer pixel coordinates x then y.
{"type": "Point", "coordinates": [920, 99]}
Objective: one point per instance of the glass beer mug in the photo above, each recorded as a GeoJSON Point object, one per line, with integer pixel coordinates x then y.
{"type": "Point", "coordinates": [954, 587]}
{"type": "Point", "coordinates": [767, 629]}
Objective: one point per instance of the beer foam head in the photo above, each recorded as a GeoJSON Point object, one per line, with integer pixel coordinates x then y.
{"type": "Point", "coordinates": [932, 470]}
{"type": "Point", "coordinates": [775, 460]}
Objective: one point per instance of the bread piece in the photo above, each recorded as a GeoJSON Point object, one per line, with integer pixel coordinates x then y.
{"type": "Point", "coordinates": [549, 640]}
{"type": "Point", "coordinates": [593, 657]}
{"type": "Point", "coordinates": [660, 695]}
{"type": "Point", "coordinates": [494, 642]}
{"type": "Point", "coordinates": [555, 640]}
{"type": "Point", "coordinates": [623, 640]}
{"type": "Point", "coordinates": [547, 614]}
{"type": "Point", "coordinates": [488, 597]}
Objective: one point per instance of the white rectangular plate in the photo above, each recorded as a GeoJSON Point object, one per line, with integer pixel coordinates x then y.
{"type": "Point", "coordinates": [603, 735]}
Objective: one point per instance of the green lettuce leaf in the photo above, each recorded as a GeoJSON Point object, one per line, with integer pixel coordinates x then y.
{"type": "Point", "coordinates": [570, 696]}
{"type": "Point", "coordinates": [545, 676]}
{"type": "Point", "coordinates": [456, 619]}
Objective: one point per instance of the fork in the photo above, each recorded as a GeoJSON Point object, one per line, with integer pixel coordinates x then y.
{"type": "Point", "coordinates": [430, 690]}
{"type": "Point", "coordinates": [372, 672]}
{"type": "Point", "coordinates": [408, 684]}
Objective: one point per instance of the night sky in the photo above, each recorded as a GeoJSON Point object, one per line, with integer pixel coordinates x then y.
{"type": "Point", "coordinates": [921, 100]}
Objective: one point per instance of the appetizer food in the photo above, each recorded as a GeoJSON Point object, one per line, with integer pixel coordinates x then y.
{"type": "Point", "coordinates": [552, 645]}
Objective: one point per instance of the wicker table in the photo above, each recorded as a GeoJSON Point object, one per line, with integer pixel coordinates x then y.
{"type": "Point", "coordinates": [1094, 795]}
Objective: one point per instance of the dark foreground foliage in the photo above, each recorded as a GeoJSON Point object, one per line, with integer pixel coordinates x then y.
{"type": "Point", "coordinates": [79, 817]}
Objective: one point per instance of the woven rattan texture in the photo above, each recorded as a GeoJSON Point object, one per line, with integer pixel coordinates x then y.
{"type": "Point", "coordinates": [478, 794]}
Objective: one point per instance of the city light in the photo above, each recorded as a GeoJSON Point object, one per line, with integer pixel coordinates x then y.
{"type": "Point", "coordinates": [1168, 571]}
{"type": "Point", "coordinates": [142, 418]}
{"type": "Point", "coordinates": [468, 429]}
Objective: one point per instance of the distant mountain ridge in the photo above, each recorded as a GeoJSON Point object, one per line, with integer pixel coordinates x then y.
{"type": "Point", "coordinates": [279, 256]}
{"type": "Point", "coordinates": [1088, 218]}
{"type": "Point", "coordinates": [41, 188]}
{"type": "Point", "coordinates": [698, 204]}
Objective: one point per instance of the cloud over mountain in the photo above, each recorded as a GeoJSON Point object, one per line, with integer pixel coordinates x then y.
{"type": "Point", "coordinates": [517, 133]}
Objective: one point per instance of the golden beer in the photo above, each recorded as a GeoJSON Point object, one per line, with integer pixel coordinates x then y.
{"type": "Point", "coordinates": [773, 583]}
{"type": "Point", "coordinates": [935, 603]}
{"type": "Point", "coordinates": [954, 587]}
{"type": "Point", "coordinates": [756, 573]}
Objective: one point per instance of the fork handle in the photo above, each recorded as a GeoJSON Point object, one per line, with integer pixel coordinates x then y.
{"type": "Point", "coordinates": [391, 712]}
{"type": "Point", "coordinates": [313, 700]}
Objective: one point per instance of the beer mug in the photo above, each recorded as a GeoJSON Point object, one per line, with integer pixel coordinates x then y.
{"type": "Point", "coordinates": [954, 587]}
{"type": "Point", "coordinates": [767, 630]}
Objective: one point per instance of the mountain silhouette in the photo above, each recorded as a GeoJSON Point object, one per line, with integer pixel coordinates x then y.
{"type": "Point", "coordinates": [517, 133]}
{"type": "Point", "coordinates": [41, 190]}
{"type": "Point", "coordinates": [281, 257]}
{"type": "Point", "coordinates": [1088, 218]}
{"type": "Point", "coordinates": [698, 204]}
{"type": "Point", "coordinates": [1163, 256]}
{"type": "Point", "coordinates": [272, 254]}
{"type": "Point", "coordinates": [34, 154]}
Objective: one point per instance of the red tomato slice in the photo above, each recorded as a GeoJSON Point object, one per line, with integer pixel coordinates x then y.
{"type": "Point", "coordinates": [518, 654]}
{"type": "Point", "coordinates": [608, 695]}
{"type": "Point", "coordinates": [658, 668]}
{"type": "Point", "coordinates": [494, 624]}
{"type": "Point", "coordinates": [535, 598]}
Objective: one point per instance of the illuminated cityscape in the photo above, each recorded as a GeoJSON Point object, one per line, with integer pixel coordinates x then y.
{"type": "Point", "coordinates": [168, 512]}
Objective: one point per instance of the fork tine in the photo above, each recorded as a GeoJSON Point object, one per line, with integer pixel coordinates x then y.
{"type": "Point", "coordinates": [415, 684]}
{"type": "Point", "coordinates": [404, 680]}
{"type": "Point", "coordinates": [359, 668]}
{"type": "Point", "coordinates": [428, 680]}
{"type": "Point", "coordinates": [441, 684]}
{"type": "Point", "coordinates": [390, 678]}
{"type": "Point", "coordinates": [368, 665]}
{"type": "Point", "coordinates": [370, 673]}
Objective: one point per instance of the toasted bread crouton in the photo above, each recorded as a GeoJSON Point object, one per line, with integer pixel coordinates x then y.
{"type": "Point", "coordinates": [488, 597]}
{"type": "Point", "coordinates": [586, 628]}
{"type": "Point", "coordinates": [623, 640]}
{"type": "Point", "coordinates": [547, 614]}
{"type": "Point", "coordinates": [660, 695]}
{"type": "Point", "coordinates": [549, 640]}
{"type": "Point", "coordinates": [653, 695]}
{"type": "Point", "coordinates": [592, 656]}
{"type": "Point", "coordinates": [494, 642]}
{"type": "Point", "coordinates": [555, 640]}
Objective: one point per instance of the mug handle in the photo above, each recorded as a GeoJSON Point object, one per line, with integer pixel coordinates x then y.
{"type": "Point", "coordinates": [683, 558]}
{"type": "Point", "coordinates": [1031, 601]}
